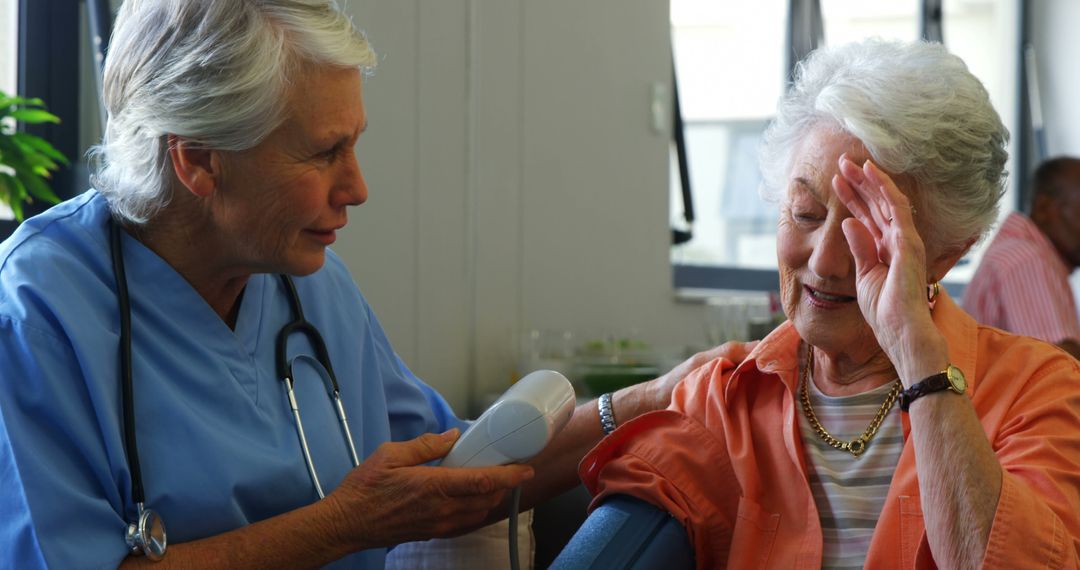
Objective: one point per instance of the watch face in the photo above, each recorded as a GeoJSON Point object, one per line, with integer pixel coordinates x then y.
{"type": "Point", "coordinates": [957, 382]}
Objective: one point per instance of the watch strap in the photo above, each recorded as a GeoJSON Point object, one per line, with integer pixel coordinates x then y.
{"type": "Point", "coordinates": [929, 385]}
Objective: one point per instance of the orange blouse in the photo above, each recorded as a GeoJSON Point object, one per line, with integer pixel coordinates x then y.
{"type": "Point", "coordinates": [726, 458]}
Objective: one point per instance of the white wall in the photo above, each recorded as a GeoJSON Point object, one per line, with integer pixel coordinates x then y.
{"type": "Point", "coordinates": [515, 181]}
{"type": "Point", "coordinates": [8, 44]}
{"type": "Point", "coordinates": [1053, 33]}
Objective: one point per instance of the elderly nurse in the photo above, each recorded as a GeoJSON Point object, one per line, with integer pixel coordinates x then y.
{"type": "Point", "coordinates": [145, 325]}
{"type": "Point", "coordinates": [881, 426]}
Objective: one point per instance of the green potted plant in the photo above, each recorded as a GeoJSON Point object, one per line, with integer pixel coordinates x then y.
{"type": "Point", "coordinates": [26, 161]}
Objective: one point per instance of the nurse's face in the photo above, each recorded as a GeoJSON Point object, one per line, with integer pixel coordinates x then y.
{"type": "Point", "coordinates": [817, 270]}
{"type": "Point", "coordinates": [281, 203]}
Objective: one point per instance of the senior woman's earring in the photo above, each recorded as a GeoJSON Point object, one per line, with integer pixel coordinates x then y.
{"type": "Point", "coordinates": [932, 292]}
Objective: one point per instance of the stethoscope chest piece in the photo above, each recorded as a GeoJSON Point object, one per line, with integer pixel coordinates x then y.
{"type": "Point", "coordinates": [147, 536]}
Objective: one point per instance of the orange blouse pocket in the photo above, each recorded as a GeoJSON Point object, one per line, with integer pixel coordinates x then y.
{"type": "Point", "coordinates": [752, 539]}
{"type": "Point", "coordinates": [912, 530]}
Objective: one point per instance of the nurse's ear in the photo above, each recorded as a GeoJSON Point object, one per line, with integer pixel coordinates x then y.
{"type": "Point", "coordinates": [198, 169]}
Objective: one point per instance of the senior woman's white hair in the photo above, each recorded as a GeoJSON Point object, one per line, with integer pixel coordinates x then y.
{"type": "Point", "coordinates": [215, 72]}
{"type": "Point", "coordinates": [919, 112]}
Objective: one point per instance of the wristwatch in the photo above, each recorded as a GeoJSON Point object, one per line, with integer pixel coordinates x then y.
{"type": "Point", "coordinates": [949, 379]}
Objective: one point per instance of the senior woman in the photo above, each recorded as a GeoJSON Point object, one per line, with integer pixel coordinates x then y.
{"type": "Point", "coordinates": [146, 326]}
{"type": "Point", "coordinates": [880, 426]}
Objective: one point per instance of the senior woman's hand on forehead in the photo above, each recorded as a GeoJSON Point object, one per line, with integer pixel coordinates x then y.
{"type": "Point", "coordinates": [889, 254]}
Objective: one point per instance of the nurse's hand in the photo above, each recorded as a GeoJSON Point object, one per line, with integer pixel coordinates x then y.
{"type": "Point", "coordinates": [661, 387]}
{"type": "Point", "coordinates": [557, 463]}
{"type": "Point", "coordinates": [392, 497]}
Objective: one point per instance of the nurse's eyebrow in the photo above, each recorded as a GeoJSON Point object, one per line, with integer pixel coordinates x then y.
{"type": "Point", "coordinates": [346, 138]}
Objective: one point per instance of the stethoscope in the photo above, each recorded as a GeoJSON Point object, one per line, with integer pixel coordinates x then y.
{"type": "Point", "coordinates": [147, 534]}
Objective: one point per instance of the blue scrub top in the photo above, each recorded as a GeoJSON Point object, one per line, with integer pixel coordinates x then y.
{"type": "Point", "coordinates": [217, 442]}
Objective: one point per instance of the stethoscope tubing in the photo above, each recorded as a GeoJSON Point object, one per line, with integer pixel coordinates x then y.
{"type": "Point", "coordinates": [284, 368]}
{"type": "Point", "coordinates": [342, 420]}
{"type": "Point", "coordinates": [147, 535]}
{"type": "Point", "coordinates": [127, 391]}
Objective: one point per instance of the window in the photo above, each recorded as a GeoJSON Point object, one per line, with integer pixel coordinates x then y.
{"type": "Point", "coordinates": [986, 35]}
{"type": "Point", "coordinates": [730, 70]}
{"type": "Point", "coordinates": [851, 20]}
{"type": "Point", "coordinates": [9, 55]}
{"type": "Point", "coordinates": [47, 38]}
{"type": "Point", "coordinates": [726, 99]}
{"type": "Point", "coordinates": [9, 60]}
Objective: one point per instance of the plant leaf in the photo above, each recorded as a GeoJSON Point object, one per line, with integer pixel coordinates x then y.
{"type": "Point", "coordinates": [16, 194]}
{"type": "Point", "coordinates": [41, 145]}
{"type": "Point", "coordinates": [17, 163]}
{"type": "Point", "coordinates": [37, 161]}
{"type": "Point", "coordinates": [13, 189]}
{"type": "Point", "coordinates": [7, 145]}
{"type": "Point", "coordinates": [18, 190]}
{"type": "Point", "coordinates": [14, 102]}
{"type": "Point", "coordinates": [33, 184]}
{"type": "Point", "coordinates": [27, 160]}
{"type": "Point", "coordinates": [6, 187]}
{"type": "Point", "coordinates": [37, 187]}
{"type": "Point", "coordinates": [23, 101]}
{"type": "Point", "coordinates": [34, 116]}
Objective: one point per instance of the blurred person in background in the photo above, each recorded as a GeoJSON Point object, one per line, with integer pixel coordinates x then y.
{"type": "Point", "coordinates": [1022, 283]}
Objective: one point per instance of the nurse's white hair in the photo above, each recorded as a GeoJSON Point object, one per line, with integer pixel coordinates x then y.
{"type": "Point", "coordinates": [215, 72]}
{"type": "Point", "coordinates": [919, 112]}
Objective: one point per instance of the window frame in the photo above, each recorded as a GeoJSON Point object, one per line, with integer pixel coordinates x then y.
{"type": "Point", "coordinates": [48, 67]}
{"type": "Point", "coordinates": [695, 281]}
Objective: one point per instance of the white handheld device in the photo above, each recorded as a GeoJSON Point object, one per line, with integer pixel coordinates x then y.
{"type": "Point", "coordinates": [518, 425]}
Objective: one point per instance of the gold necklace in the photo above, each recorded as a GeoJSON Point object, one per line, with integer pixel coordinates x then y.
{"type": "Point", "coordinates": [858, 445]}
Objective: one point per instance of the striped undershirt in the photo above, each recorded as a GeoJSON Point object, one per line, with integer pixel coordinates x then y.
{"type": "Point", "coordinates": [850, 491]}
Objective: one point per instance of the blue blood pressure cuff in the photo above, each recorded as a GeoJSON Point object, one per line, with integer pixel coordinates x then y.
{"type": "Point", "coordinates": [627, 533]}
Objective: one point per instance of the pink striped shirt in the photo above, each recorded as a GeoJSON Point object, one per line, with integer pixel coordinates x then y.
{"type": "Point", "coordinates": [1022, 285]}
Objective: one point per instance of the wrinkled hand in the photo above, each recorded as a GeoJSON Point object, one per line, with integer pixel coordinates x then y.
{"type": "Point", "coordinates": [732, 350]}
{"type": "Point", "coordinates": [890, 257]}
{"type": "Point", "coordinates": [393, 498]}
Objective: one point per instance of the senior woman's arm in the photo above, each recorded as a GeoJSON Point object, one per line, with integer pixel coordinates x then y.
{"type": "Point", "coordinates": [960, 478]}
{"type": "Point", "coordinates": [556, 466]}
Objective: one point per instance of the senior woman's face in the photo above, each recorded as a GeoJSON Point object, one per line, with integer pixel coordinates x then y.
{"type": "Point", "coordinates": [283, 201]}
{"type": "Point", "coordinates": [817, 271]}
